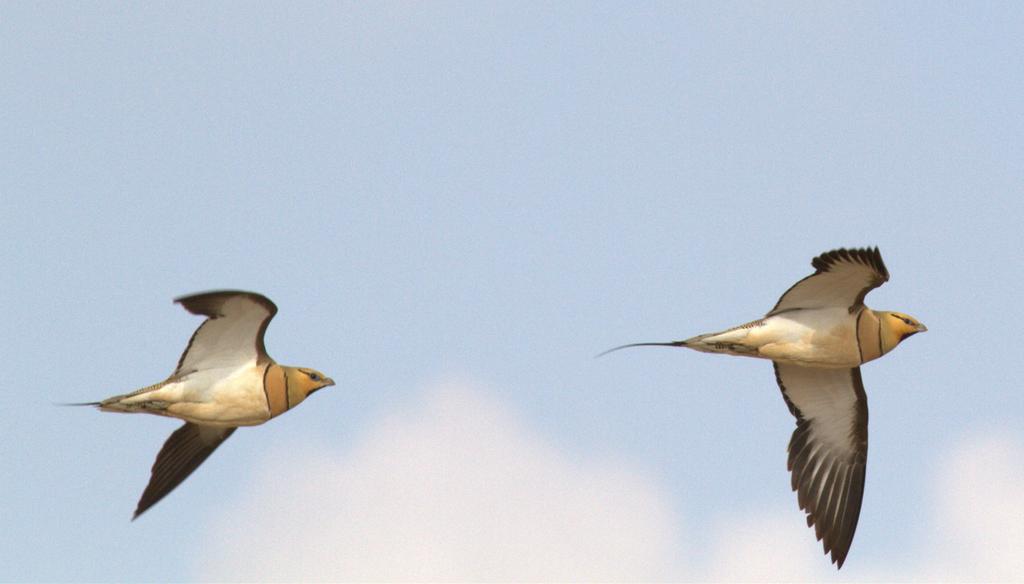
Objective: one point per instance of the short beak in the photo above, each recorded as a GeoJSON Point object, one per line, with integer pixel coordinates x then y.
{"type": "Point", "coordinates": [328, 382]}
{"type": "Point", "coordinates": [921, 328]}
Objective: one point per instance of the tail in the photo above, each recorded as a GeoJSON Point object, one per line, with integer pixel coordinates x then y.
{"type": "Point", "coordinates": [672, 344]}
{"type": "Point", "coordinates": [107, 405]}
{"type": "Point", "coordinates": [730, 341]}
{"type": "Point", "coordinates": [696, 343]}
{"type": "Point", "coordinates": [118, 403]}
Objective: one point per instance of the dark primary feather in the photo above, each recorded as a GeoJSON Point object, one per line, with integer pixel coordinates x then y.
{"type": "Point", "coordinates": [181, 454]}
{"type": "Point", "coordinates": [867, 256]}
{"type": "Point", "coordinates": [210, 303]}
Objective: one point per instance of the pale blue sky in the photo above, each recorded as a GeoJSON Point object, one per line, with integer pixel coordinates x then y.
{"type": "Point", "coordinates": [494, 193]}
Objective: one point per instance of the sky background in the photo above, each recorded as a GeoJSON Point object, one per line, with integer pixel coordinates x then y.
{"type": "Point", "coordinates": [455, 207]}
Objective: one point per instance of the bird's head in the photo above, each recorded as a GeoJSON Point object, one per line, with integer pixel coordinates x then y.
{"type": "Point", "coordinates": [303, 381]}
{"type": "Point", "coordinates": [896, 326]}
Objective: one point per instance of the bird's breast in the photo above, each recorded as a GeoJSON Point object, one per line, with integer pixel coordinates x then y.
{"type": "Point", "coordinates": [275, 389]}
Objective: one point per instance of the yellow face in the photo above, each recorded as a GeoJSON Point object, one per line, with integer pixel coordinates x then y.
{"type": "Point", "coordinates": [897, 327]}
{"type": "Point", "coordinates": [303, 381]}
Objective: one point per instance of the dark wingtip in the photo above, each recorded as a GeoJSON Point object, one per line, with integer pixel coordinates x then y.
{"type": "Point", "coordinates": [869, 256]}
{"type": "Point", "coordinates": [838, 559]}
{"type": "Point", "coordinates": [140, 510]}
{"type": "Point", "coordinates": [612, 350]}
{"type": "Point", "coordinates": [141, 507]}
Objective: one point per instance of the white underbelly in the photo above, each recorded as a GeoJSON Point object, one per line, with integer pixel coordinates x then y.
{"type": "Point", "coordinates": [217, 397]}
{"type": "Point", "coordinates": [810, 338]}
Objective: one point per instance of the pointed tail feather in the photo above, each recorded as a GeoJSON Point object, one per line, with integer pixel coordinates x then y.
{"type": "Point", "coordinates": [672, 344]}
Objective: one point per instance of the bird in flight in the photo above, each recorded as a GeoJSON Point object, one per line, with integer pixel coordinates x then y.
{"type": "Point", "coordinates": [817, 336]}
{"type": "Point", "coordinates": [223, 380]}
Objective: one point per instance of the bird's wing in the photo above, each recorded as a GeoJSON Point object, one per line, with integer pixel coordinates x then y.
{"type": "Point", "coordinates": [829, 448]}
{"type": "Point", "coordinates": [231, 335]}
{"type": "Point", "coordinates": [183, 452]}
{"type": "Point", "coordinates": [843, 278]}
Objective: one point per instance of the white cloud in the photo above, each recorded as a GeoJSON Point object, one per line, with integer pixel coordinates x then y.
{"type": "Point", "coordinates": [766, 547]}
{"type": "Point", "coordinates": [455, 488]}
{"type": "Point", "coordinates": [978, 525]}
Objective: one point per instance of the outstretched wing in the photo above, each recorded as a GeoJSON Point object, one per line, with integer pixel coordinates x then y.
{"type": "Point", "coordinates": [231, 335]}
{"type": "Point", "coordinates": [828, 451]}
{"type": "Point", "coordinates": [183, 452]}
{"type": "Point", "coordinates": [843, 278]}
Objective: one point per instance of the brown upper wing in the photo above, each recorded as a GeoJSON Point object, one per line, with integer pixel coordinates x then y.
{"type": "Point", "coordinates": [231, 335]}
{"type": "Point", "coordinates": [828, 450]}
{"type": "Point", "coordinates": [183, 452]}
{"type": "Point", "coordinates": [843, 278]}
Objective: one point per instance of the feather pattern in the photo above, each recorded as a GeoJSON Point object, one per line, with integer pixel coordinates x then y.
{"type": "Point", "coordinates": [181, 454]}
{"type": "Point", "coordinates": [842, 278]}
{"type": "Point", "coordinates": [828, 450]}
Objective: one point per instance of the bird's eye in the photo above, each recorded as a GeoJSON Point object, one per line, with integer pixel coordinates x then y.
{"type": "Point", "coordinates": [314, 377]}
